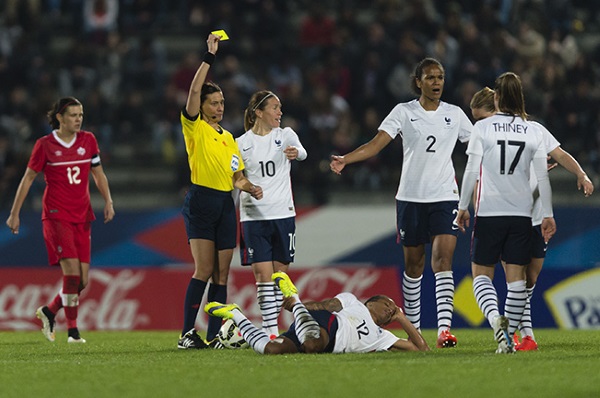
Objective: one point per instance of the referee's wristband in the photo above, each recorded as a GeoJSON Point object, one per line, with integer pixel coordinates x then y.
{"type": "Point", "coordinates": [209, 58]}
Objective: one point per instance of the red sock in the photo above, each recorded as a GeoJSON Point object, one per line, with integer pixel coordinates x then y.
{"type": "Point", "coordinates": [56, 304]}
{"type": "Point", "coordinates": [70, 296]}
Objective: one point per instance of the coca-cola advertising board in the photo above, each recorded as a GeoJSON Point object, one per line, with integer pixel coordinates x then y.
{"type": "Point", "coordinates": [152, 298]}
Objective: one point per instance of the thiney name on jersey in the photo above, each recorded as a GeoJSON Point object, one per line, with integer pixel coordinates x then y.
{"type": "Point", "coordinates": [510, 127]}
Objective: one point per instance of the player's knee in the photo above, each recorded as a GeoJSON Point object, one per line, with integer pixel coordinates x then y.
{"type": "Point", "coordinates": [272, 349]}
{"type": "Point", "coordinates": [315, 346]}
{"type": "Point", "coordinates": [280, 345]}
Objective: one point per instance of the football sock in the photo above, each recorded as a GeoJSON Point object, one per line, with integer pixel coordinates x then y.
{"type": "Point", "coordinates": [193, 297]}
{"type": "Point", "coordinates": [257, 339]}
{"type": "Point", "coordinates": [56, 304]}
{"type": "Point", "coordinates": [215, 293]}
{"type": "Point", "coordinates": [306, 326]}
{"type": "Point", "coordinates": [516, 298]}
{"type": "Point", "coordinates": [444, 296]}
{"type": "Point", "coordinates": [526, 327]}
{"type": "Point", "coordinates": [278, 298]}
{"type": "Point", "coordinates": [411, 289]}
{"type": "Point", "coordinates": [487, 297]}
{"type": "Point", "coordinates": [70, 299]}
{"type": "Point", "coordinates": [267, 302]}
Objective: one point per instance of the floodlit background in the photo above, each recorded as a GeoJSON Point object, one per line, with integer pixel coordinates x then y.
{"type": "Point", "coordinates": [338, 67]}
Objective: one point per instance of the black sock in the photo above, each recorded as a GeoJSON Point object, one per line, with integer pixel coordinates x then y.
{"type": "Point", "coordinates": [48, 313]}
{"type": "Point", "coordinates": [74, 332]}
{"type": "Point", "coordinates": [193, 297]}
{"type": "Point", "coordinates": [215, 293]}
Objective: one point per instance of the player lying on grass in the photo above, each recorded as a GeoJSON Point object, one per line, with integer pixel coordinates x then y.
{"type": "Point", "coordinates": [338, 325]}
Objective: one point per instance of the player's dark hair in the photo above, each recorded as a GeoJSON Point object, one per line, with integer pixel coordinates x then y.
{"type": "Point", "coordinates": [257, 101]}
{"type": "Point", "coordinates": [418, 73]}
{"type": "Point", "coordinates": [379, 297]}
{"type": "Point", "coordinates": [509, 90]}
{"type": "Point", "coordinates": [60, 107]}
{"type": "Point", "coordinates": [208, 88]}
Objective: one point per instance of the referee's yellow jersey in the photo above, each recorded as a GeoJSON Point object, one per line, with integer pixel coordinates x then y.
{"type": "Point", "coordinates": [213, 156]}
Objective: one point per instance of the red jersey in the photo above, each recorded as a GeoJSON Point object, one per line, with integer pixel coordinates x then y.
{"type": "Point", "coordinates": [66, 170]}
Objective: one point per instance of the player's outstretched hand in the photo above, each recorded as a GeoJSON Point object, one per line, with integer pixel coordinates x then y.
{"type": "Point", "coordinates": [337, 164]}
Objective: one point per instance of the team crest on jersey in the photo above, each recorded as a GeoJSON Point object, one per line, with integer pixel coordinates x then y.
{"type": "Point", "coordinates": [278, 143]}
{"type": "Point", "coordinates": [81, 151]}
{"type": "Point", "coordinates": [235, 163]}
{"type": "Point", "coordinates": [448, 121]}
{"type": "Point", "coordinates": [58, 153]}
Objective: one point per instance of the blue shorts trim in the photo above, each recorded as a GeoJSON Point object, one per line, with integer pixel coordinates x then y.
{"type": "Point", "coordinates": [268, 240]}
{"type": "Point", "coordinates": [210, 214]}
{"type": "Point", "coordinates": [417, 223]}
{"type": "Point", "coordinates": [326, 320]}
{"type": "Point", "coordinates": [538, 245]}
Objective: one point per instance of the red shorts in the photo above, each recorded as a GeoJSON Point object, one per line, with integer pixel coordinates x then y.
{"type": "Point", "coordinates": [67, 240]}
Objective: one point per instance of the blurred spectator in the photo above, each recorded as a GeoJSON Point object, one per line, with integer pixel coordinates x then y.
{"type": "Point", "coordinates": [9, 171]}
{"type": "Point", "coordinates": [100, 18]}
{"type": "Point", "coordinates": [132, 121]}
{"type": "Point", "coordinates": [10, 32]}
{"type": "Point", "coordinates": [316, 31]}
{"type": "Point", "coordinates": [285, 73]}
{"type": "Point", "coordinates": [529, 44]}
{"type": "Point", "coordinates": [563, 45]}
{"type": "Point", "coordinates": [334, 65]}
{"type": "Point", "coordinates": [26, 12]}
{"type": "Point", "coordinates": [111, 65]}
{"type": "Point", "coordinates": [145, 66]}
{"type": "Point", "coordinates": [445, 49]}
{"type": "Point", "coordinates": [97, 117]}
{"type": "Point", "coordinates": [141, 15]}
{"type": "Point", "coordinates": [184, 73]}
{"type": "Point", "coordinates": [335, 75]}
{"type": "Point", "coordinates": [77, 75]}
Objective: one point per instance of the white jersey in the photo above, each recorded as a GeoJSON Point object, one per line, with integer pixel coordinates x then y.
{"type": "Point", "coordinates": [428, 140]}
{"type": "Point", "coordinates": [357, 332]}
{"type": "Point", "coordinates": [268, 167]}
{"type": "Point", "coordinates": [507, 144]}
{"type": "Point", "coordinates": [551, 144]}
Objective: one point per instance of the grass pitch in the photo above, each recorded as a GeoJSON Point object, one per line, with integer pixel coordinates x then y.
{"type": "Point", "coordinates": [148, 364]}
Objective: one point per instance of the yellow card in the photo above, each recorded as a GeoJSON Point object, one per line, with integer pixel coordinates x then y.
{"type": "Point", "coordinates": [221, 33]}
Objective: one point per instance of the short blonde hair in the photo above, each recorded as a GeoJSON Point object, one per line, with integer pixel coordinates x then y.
{"type": "Point", "coordinates": [483, 99]}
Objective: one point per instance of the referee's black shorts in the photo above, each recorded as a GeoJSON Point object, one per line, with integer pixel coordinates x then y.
{"type": "Point", "coordinates": [210, 214]}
